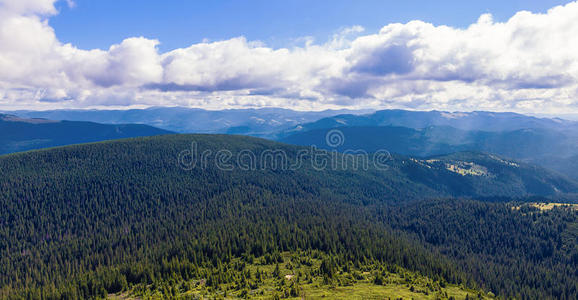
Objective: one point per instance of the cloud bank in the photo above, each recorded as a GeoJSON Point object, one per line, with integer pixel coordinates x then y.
{"type": "Point", "coordinates": [527, 64]}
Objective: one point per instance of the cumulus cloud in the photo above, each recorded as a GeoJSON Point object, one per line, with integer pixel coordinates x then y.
{"type": "Point", "coordinates": [227, 65]}
{"type": "Point", "coordinates": [26, 7]}
{"type": "Point", "coordinates": [133, 62]}
{"type": "Point", "coordinates": [526, 63]}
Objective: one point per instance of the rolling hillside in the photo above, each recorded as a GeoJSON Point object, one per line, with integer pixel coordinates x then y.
{"type": "Point", "coordinates": [18, 134]}
{"type": "Point", "coordinates": [140, 218]}
{"type": "Point", "coordinates": [434, 140]}
{"type": "Point", "coordinates": [552, 149]}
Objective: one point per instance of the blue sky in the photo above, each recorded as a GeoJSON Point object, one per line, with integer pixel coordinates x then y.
{"type": "Point", "coordinates": [180, 23]}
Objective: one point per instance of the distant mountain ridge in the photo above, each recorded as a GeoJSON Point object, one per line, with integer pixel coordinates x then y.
{"type": "Point", "coordinates": [263, 122]}
{"type": "Point", "coordinates": [20, 134]}
{"type": "Point", "coordinates": [477, 120]}
{"type": "Point", "coordinates": [277, 123]}
{"type": "Point", "coordinates": [551, 143]}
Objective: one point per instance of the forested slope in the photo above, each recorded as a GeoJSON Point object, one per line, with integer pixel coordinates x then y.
{"type": "Point", "coordinates": [132, 215]}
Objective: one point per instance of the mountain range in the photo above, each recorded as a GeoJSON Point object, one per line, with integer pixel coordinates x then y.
{"type": "Point", "coordinates": [20, 134]}
{"type": "Point", "coordinates": [477, 120]}
{"type": "Point", "coordinates": [262, 122]}
{"type": "Point", "coordinates": [551, 143]}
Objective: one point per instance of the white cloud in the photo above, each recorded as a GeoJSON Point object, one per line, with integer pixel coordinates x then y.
{"type": "Point", "coordinates": [133, 62]}
{"type": "Point", "coordinates": [28, 7]}
{"type": "Point", "coordinates": [529, 62]}
{"type": "Point", "coordinates": [226, 65]}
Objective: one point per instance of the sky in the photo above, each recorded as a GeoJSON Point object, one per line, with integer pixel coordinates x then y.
{"type": "Point", "coordinates": [308, 55]}
{"type": "Point", "coordinates": [180, 23]}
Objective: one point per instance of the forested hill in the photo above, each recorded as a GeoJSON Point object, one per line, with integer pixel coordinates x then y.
{"type": "Point", "coordinates": [20, 134]}
{"type": "Point", "coordinates": [384, 177]}
{"type": "Point", "coordinates": [138, 215]}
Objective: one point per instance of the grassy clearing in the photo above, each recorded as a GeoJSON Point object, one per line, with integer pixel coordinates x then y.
{"type": "Point", "coordinates": [299, 277]}
{"type": "Point", "coordinates": [549, 206]}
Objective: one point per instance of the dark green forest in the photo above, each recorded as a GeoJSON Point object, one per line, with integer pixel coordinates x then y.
{"type": "Point", "coordinates": [91, 220]}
